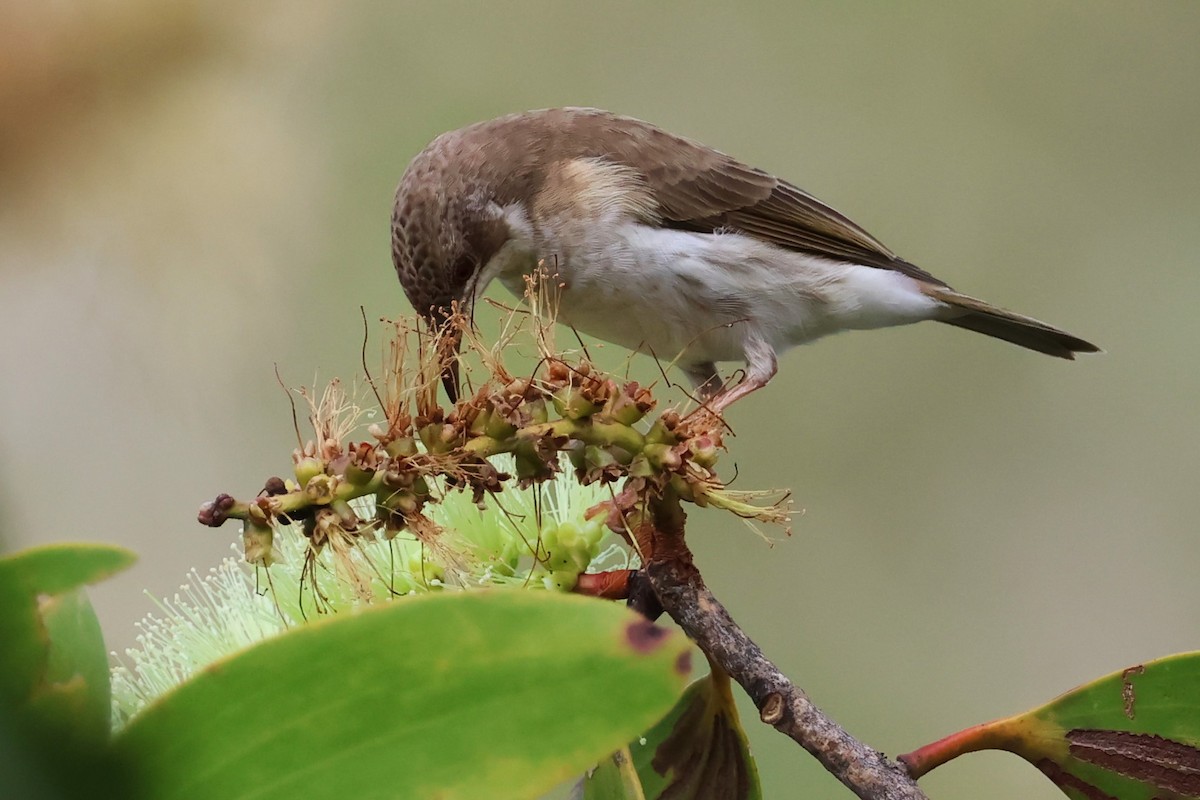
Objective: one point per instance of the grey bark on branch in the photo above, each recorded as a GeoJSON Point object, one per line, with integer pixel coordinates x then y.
{"type": "Point", "coordinates": [783, 705]}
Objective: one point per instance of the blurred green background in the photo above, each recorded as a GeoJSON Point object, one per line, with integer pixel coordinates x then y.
{"type": "Point", "coordinates": [194, 192]}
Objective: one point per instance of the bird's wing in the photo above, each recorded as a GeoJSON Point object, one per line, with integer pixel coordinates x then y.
{"type": "Point", "coordinates": [701, 189]}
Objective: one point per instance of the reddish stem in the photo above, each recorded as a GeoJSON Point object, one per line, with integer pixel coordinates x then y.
{"type": "Point", "coordinates": [612, 585]}
{"type": "Point", "coordinates": [996, 735]}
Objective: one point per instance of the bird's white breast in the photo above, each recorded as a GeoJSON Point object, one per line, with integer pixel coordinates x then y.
{"type": "Point", "coordinates": [698, 296]}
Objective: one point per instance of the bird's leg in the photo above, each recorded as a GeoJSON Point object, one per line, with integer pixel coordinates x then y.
{"type": "Point", "coordinates": [705, 379]}
{"type": "Point", "coordinates": [760, 368]}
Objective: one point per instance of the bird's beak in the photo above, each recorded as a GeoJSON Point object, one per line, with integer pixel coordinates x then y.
{"type": "Point", "coordinates": [448, 346]}
{"type": "Point", "coordinates": [446, 342]}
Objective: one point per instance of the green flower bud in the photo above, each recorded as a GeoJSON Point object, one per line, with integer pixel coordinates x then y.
{"type": "Point", "coordinates": [559, 558]}
{"type": "Point", "coordinates": [592, 531]}
{"type": "Point", "coordinates": [687, 491]}
{"type": "Point", "coordinates": [530, 467]}
{"type": "Point", "coordinates": [568, 535]}
{"type": "Point", "coordinates": [561, 581]}
{"type": "Point", "coordinates": [308, 468]}
{"type": "Point", "coordinates": [581, 556]}
{"type": "Point", "coordinates": [510, 554]}
{"type": "Point", "coordinates": [548, 536]}
{"type": "Point", "coordinates": [405, 502]}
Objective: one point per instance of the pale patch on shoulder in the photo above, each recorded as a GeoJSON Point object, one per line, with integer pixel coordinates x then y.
{"type": "Point", "coordinates": [594, 188]}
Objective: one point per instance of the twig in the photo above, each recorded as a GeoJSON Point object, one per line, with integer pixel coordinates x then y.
{"type": "Point", "coordinates": [781, 704]}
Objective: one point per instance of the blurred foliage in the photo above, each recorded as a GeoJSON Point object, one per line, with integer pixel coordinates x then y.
{"type": "Point", "coordinates": [54, 687]}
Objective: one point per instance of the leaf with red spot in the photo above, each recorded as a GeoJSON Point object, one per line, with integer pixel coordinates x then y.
{"type": "Point", "coordinates": [1131, 735]}
{"type": "Point", "coordinates": [451, 695]}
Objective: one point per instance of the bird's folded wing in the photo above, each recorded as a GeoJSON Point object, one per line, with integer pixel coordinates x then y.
{"type": "Point", "coordinates": [701, 189]}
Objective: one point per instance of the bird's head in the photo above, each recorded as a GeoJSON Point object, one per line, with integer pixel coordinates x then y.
{"type": "Point", "coordinates": [444, 232]}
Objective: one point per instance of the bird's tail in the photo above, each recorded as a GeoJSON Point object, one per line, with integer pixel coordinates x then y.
{"type": "Point", "coordinates": [976, 315]}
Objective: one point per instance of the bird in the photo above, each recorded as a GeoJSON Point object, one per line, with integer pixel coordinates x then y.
{"type": "Point", "coordinates": [659, 244]}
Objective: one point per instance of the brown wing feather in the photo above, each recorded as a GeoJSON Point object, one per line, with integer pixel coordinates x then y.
{"type": "Point", "coordinates": [695, 187]}
{"type": "Point", "coordinates": [702, 189]}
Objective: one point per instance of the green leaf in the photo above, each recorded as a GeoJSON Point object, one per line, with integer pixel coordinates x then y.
{"type": "Point", "coordinates": [54, 685]}
{"type": "Point", "coordinates": [614, 778]}
{"type": "Point", "coordinates": [455, 695]}
{"type": "Point", "coordinates": [1131, 735]}
{"type": "Point", "coordinates": [696, 752]}
{"type": "Point", "coordinates": [53, 665]}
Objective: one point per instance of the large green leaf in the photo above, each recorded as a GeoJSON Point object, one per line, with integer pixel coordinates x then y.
{"type": "Point", "coordinates": [1131, 735]}
{"type": "Point", "coordinates": [458, 695]}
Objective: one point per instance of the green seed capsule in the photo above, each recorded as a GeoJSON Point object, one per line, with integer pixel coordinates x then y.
{"type": "Point", "coordinates": [498, 427]}
{"type": "Point", "coordinates": [430, 435]}
{"type": "Point", "coordinates": [359, 476]}
{"type": "Point", "coordinates": [571, 404]}
{"type": "Point", "coordinates": [402, 447]}
{"type": "Point", "coordinates": [658, 434]}
{"type": "Point", "coordinates": [640, 467]}
{"type": "Point", "coordinates": [663, 456]}
{"type": "Point", "coordinates": [479, 424]}
{"type": "Point", "coordinates": [598, 458]}
{"type": "Point", "coordinates": [537, 411]}
{"type": "Point", "coordinates": [622, 455]}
